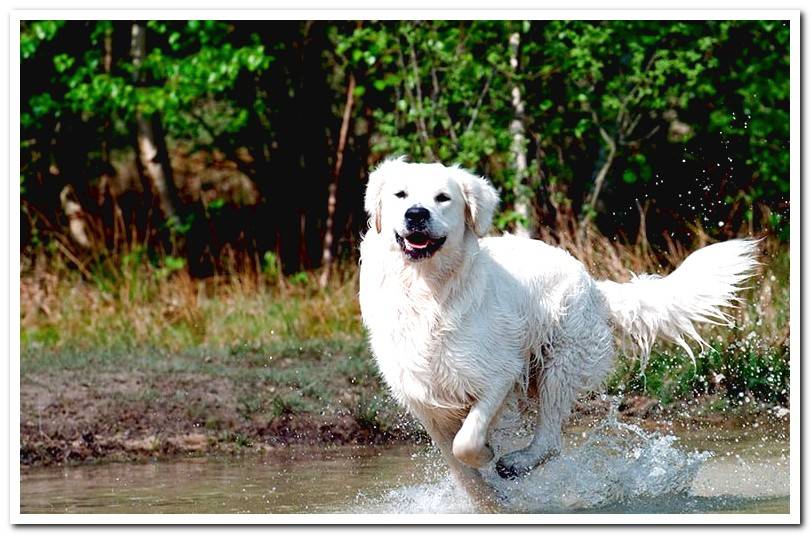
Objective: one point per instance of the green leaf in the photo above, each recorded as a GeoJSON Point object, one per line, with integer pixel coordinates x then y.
{"type": "Point", "coordinates": [216, 204]}
{"type": "Point", "coordinates": [174, 263]}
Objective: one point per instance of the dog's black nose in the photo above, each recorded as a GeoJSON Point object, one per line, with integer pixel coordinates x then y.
{"type": "Point", "coordinates": [416, 215]}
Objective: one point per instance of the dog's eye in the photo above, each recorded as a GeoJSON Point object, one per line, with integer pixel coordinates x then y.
{"type": "Point", "coordinates": [442, 198]}
{"type": "Point", "coordinates": [400, 194]}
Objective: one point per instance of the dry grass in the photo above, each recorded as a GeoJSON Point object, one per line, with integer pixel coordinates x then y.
{"type": "Point", "coordinates": [746, 363]}
{"type": "Point", "coordinates": [129, 303]}
{"type": "Point", "coordinates": [764, 302]}
{"type": "Point", "coordinates": [145, 307]}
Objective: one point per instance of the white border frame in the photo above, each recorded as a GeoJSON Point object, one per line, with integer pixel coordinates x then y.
{"type": "Point", "coordinates": [395, 14]}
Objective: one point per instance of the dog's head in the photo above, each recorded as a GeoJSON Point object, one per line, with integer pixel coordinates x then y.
{"type": "Point", "coordinates": [425, 207]}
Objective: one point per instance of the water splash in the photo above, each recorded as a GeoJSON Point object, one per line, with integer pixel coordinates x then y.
{"type": "Point", "coordinates": [616, 463]}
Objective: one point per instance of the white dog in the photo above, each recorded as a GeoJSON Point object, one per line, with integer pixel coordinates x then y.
{"type": "Point", "coordinates": [457, 320]}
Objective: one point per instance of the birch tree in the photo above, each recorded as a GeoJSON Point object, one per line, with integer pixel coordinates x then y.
{"type": "Point", "coordinates": [153, 157]}
{"type": "Point", "coordinates": [518, 150]}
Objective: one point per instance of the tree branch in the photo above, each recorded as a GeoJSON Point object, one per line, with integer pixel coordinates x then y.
{"type": "Point", "coordinates": [475, 113]}
{"type": "Point", "coordinates": [643, 138]}
{"type": "Point", "coordinates": [622, 114]}
{"type": "Point", "coordinates": [609, 160]}
{"type": "Point", "coordinates": [434, 99]}
{"type": "Point", "coordinates": [422, 128]}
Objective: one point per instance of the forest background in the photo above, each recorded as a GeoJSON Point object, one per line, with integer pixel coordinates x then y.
{"type": "Point", "coordinates": [191, 191]}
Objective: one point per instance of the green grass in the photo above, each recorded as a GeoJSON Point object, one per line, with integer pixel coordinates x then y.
{"type": "Point", "coordinates": [305, 340]}
{"type": "Point", "coordinates": [65, 315]}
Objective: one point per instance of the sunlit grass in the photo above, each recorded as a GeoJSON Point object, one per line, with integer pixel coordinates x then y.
{"type": "Point", "coordinates": [143, 316]}
{"type": "Point", "coordinates": [62, 312]}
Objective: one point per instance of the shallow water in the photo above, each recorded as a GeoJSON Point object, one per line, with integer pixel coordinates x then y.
{"type": "Point", "coordinates": [611, 468]}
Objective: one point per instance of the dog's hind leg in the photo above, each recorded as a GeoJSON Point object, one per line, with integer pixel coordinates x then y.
{"type": "Point", "coordinates": [556, 394]}
{"type": "Point", "coordinates": [579, 358]}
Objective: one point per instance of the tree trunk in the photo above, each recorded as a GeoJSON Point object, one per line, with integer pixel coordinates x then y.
{"type": "Point", "coordinates": [107, 133]}
{"type": "Point", "coordinates": [518, 148]}
{"type": "Point", "coordinates": [76, 218]}
{"type": "Point", "coordinates": [591, 204]}
{"type": "Point", "coordinates": [151, 144]}
{"type": "Point", "coordinates": [107, 65]}
{"type": "Point", "coordinates": [326, 258]}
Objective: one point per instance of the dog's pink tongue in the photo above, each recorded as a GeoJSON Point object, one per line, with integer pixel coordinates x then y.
{"type": "Point", "coordinates": [422, 245]}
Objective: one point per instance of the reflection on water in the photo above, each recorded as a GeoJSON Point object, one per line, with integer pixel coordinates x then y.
{"type": "Point", "coordinates": [292, 480]}
{"type": "Point", "coordinates": [613, 468]}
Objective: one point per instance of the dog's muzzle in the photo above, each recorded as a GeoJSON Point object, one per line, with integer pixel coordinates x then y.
{"type": "Point", "coordinates": [418, 245]}
{"type": "Point", "coordinates": [417, 242]}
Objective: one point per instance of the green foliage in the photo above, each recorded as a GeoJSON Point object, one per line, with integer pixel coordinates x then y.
{"type": "Point", "coordinates": [170, 265]}
{"type": "Point", "coordinates": [178, 225]}
{"type": "Point", "coordinates": [744, 371]}
{"type": "Point", "coordinates": [285, 404]}
{"type": "Point", "coordinates": [374, 413]}
{"type": "Point", "coordinates": [442, 91]}
{"type": "Point", "coordinates": [756, 110]}
{"type": "Point", "coordinates": [33, 33]}
{"type": "Point", "coordinates": [271, 266]}
{"type": "Point", "coordinates": [299, 279]}
{"type": "Point", "coordinates": [189, 76]}
{"type": "Point", "coordinates": [631, 96]}
{"type": "Point", "coordinates": [441, 88]}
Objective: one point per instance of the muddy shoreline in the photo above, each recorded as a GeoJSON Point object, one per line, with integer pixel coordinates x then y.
{"type": "Point", "coordinates": [72, 418]}
{"type": "Point", "coordinates": [69, 417]}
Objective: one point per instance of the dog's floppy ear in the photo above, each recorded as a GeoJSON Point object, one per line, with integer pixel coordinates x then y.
{"type": "Point", "coordinates": [371, 202]}
{"type": "Point", "coordinates": [481, 201]}
{"type": "Point", "coordinates": [374, 191]}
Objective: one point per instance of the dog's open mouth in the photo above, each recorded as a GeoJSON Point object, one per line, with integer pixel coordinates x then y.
{"type": "Point", "coordinates": [419, 245]}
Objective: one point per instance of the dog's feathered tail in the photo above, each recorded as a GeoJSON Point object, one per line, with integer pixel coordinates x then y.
{"type": "Point", "coordinates": [650, 307]}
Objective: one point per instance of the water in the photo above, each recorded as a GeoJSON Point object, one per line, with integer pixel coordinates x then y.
{"type": "Point", "coordinates": [612, 467]}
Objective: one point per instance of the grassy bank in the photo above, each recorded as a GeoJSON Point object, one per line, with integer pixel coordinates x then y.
{"type": "Point", "coordinates": [146, 360]}
{"type": "Point", "coordinates": [71, 320]}
{"type": "Point", "coordinates": [144, 306]}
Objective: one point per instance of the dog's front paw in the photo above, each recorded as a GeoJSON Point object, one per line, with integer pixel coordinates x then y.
{"type": "Point", "coordinates": [522, 462]}
{"type": "Point", "coordinates": [471, 452]}
{"type": "Point", "coordinates": [512, 467]}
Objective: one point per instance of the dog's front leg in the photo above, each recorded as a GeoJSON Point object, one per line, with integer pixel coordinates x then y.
{"type": "Point", "coordinates": [442, 431]}
{"type": "Point", "coordinates": [470, 443]}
